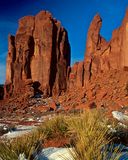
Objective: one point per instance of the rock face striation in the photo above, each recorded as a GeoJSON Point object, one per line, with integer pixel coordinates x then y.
{"type": "Point", "coordinates": [39, 54]}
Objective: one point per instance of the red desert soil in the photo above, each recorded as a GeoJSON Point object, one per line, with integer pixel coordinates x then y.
{"type": "Point", "coordinates": [56, 142]}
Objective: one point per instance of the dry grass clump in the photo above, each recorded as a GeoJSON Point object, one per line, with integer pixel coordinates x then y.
{"type": "Point", "coordinates": [91, 138]}
{"type": "Point", "coordinates": [28, 145]}
{"type": "Point", "coordinates": [31, 143]}
{"type": "Point", "coordinates": [56, 127]}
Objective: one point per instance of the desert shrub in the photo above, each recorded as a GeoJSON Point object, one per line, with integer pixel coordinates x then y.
{"type": "Point", "coordinates": [121, 134]}
{"type": "Point", "coordinates": [56, 127]}
{"type": "Point", "coordinates": [88, 131]}
{"type": "Point", "coordinates": [90, 136]}
{"type": "Point", "coordinates": [6, 152]}
{"type": "Point", "coordinates": [28, 145]}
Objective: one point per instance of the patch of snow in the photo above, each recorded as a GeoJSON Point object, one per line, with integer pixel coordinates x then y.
{"type": "Point", "coordinates": [122, 125]}
{"type": "Point", "coordinates": [20, 130]}
{"type": "Point", "coordinates": [52, 153]}
{"type": "Point", "coordinates": [14, 134]}
{"type": "Point", "coordinates": [2, 125]}
{"type": "Point", "coordinates": [120, 116]}
{"type": "Point", "coordinates": [30, 119]}
{"type": "Point", "coordinates": [23, 127]}
{"type": "Point", "coordinates": [22, 157]}
{"type": "Point", "coordinates": [111, 129]}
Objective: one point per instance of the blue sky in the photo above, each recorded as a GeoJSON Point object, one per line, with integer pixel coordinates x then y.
{"type": "Point", "coordinates": [75, 16]}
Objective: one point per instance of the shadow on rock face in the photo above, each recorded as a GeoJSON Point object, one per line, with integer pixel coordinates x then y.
{"type": "Point", "coordinates": [36, 85]}
{"type": "Point", "coordinates": [37, 91]}
{"type": "Point", "coordinates": [1, 92]}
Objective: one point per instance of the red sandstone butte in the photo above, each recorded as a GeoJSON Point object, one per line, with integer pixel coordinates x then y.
{"type": "Point", "coordinates": [40, 51]}
{"type": "Point", "coordinates": [100, 55]}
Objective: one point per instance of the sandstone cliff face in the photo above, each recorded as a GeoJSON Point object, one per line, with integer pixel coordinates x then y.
{"type": "Point", "coordinates": [76, 76]}
{"type": "Point", "coordinates": [40, 51]}
{"type": "Point", "coordinates": [101, 56]}
{"type": "Point", "coordinates": [96, 57]}
{"type": "Point", "coordinates": [39, 61]}
{"type": "Point", "coordinates": [96, 50]}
